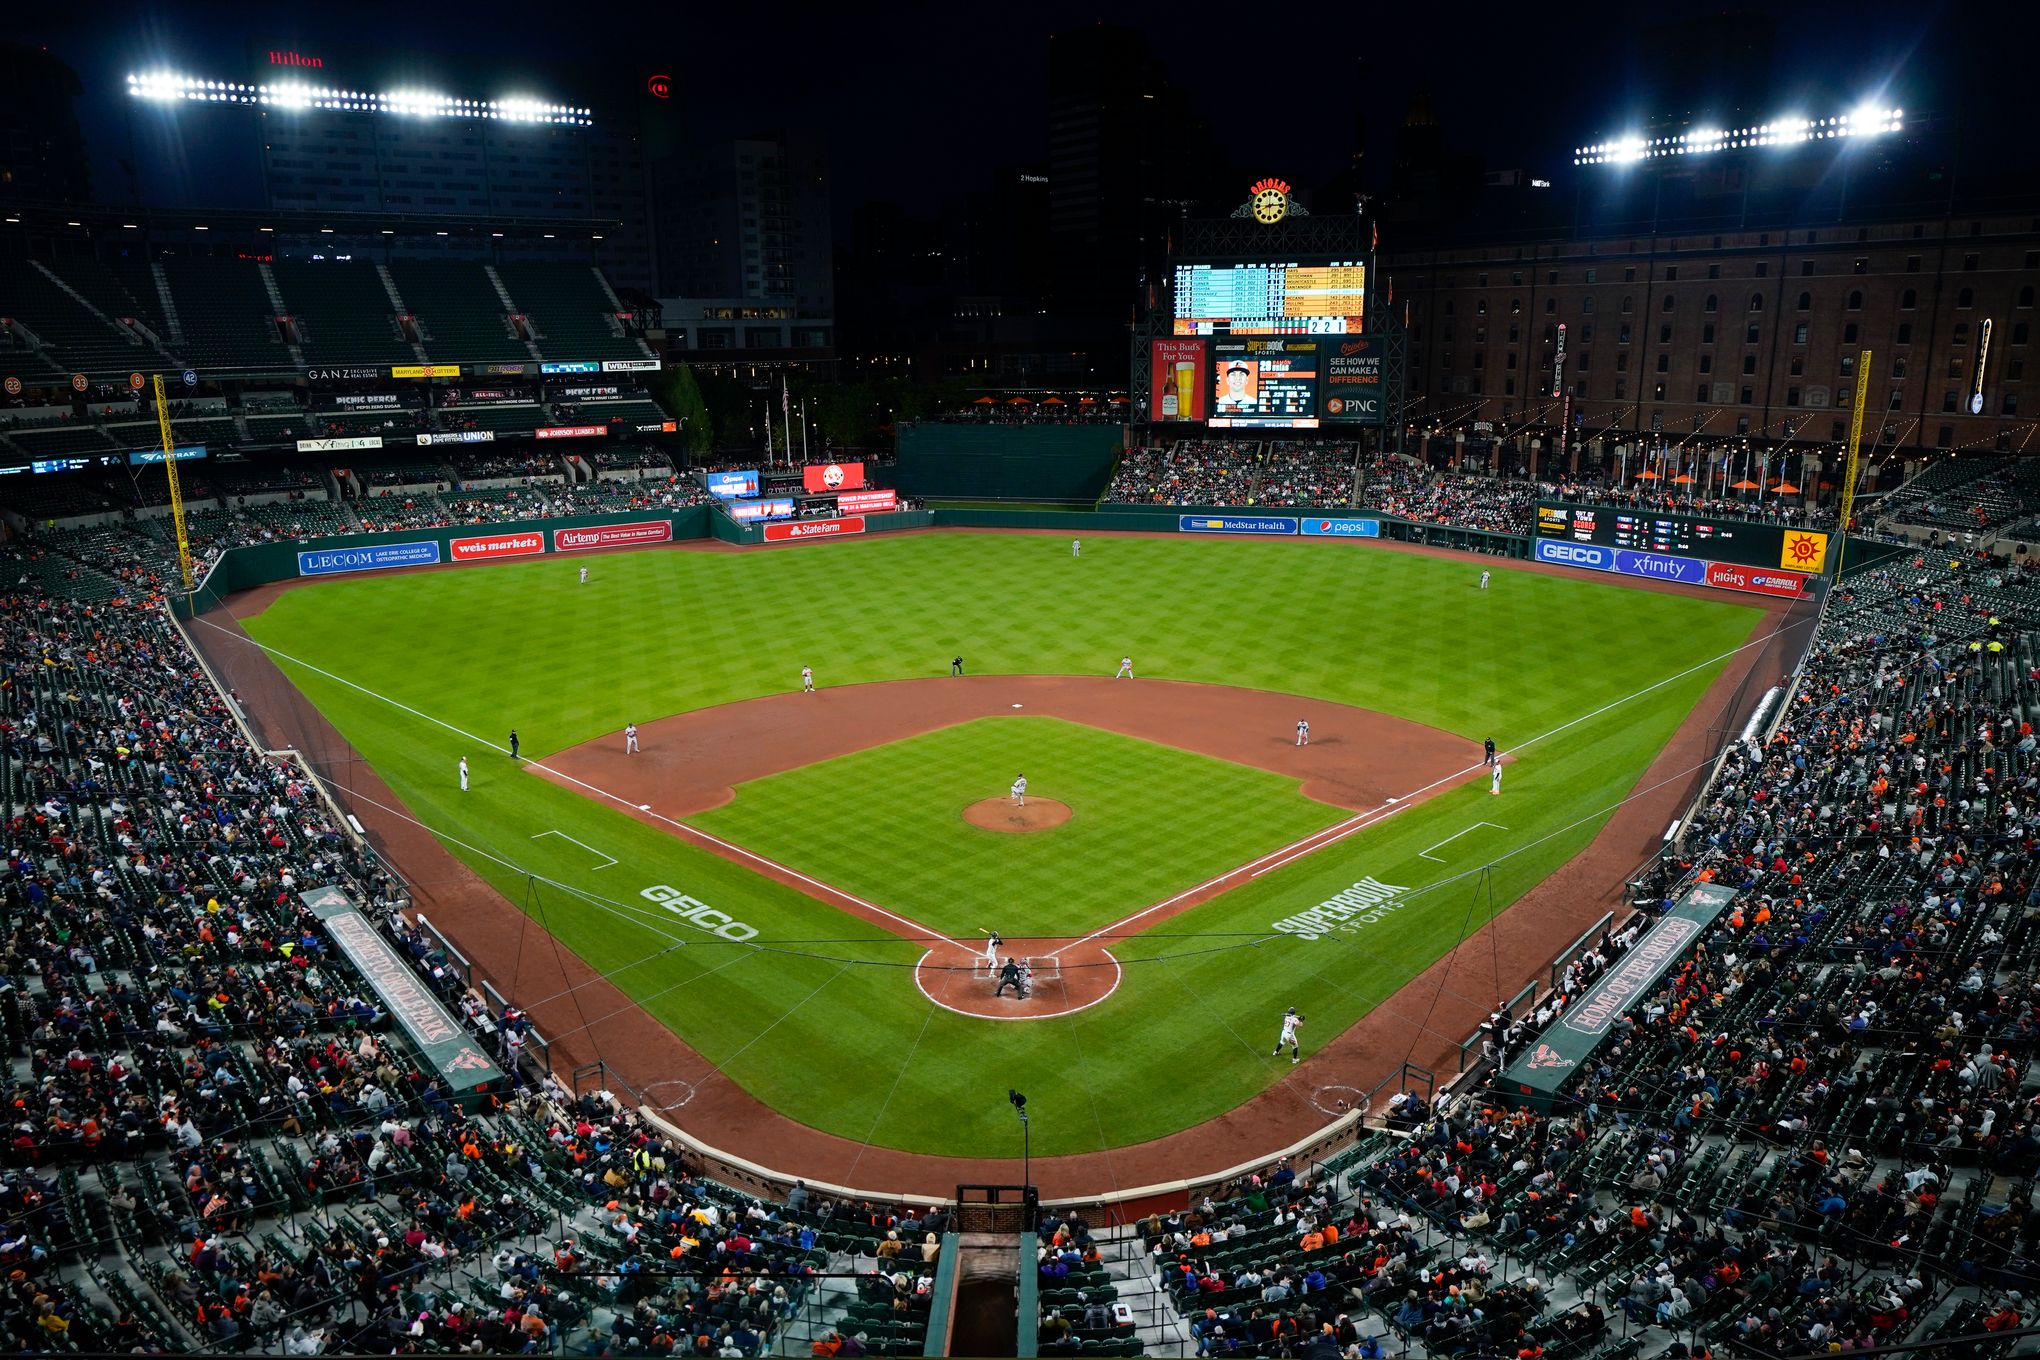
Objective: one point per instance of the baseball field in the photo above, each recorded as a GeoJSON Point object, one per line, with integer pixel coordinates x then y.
{"type": "Point", "coordinates": [791, 884]}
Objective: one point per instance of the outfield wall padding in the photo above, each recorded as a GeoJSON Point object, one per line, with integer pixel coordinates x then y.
{"type": "Point", "coordinates": [1007, 462]}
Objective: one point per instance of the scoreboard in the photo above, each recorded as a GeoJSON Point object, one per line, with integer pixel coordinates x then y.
{"type": "Point", "coordinates": [1270, 299]}
{"type": "Point", "coordinates": [1651, 533]}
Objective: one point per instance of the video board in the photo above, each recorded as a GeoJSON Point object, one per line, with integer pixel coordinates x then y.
{"type": "Point", "coordinates": [1270, 299]}
{"type": "Point", "coordinates": [1268, 384]}
{"type": "Point", "coordinates": [1742, 542]}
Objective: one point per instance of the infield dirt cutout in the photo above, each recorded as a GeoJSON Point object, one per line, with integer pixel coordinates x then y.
{"type": "Point", "coordinates": [1002, 814]}
{"type": "Point", "coordinates": [1370, 763]}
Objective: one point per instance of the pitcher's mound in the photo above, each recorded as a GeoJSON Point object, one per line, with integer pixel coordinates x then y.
{"type": "Point", "coordinates": [999, 814]}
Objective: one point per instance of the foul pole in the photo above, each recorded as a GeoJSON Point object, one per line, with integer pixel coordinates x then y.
{"type": "Point", "coordinates": [1848, 505]}
{"type": "Point", "coordinates": [176, 492]}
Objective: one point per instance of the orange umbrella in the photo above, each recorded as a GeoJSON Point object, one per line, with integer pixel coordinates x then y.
{"type": "Point", "coordinates": [1021, 401]}
{"type": "Point", "coordinates": [1054, 401]}
{"type": "Point", "coordinates": [1647, 475]}
{"type": "Point", "coordinates": [1746, 485]}
{"type": "Point", "coordinates": [1682, 480]}
{"type": "Point", "coordinates": [1087, 401]}
{"type": "Point", "coordinates": [1785, 488]}
{"type": "Point", "coordinates": [982, 401]}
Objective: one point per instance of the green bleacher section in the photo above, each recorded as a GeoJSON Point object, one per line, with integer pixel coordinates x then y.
{"type": "Point", "coordinates": [74, 340]}
{"type": "Point", "coordinates": [463, 317]}
{"type": "Point", "coordinates": [277, 429]}
{"type": "Point", "coordinates": [228, 320]}
{"type": "Point", "coordinates": [120, 293]}
{"type": "Point", "coordinates": [344, 312]}
{"type": "Point", "coordinates": [62, 441]}
{"type": "Point", "coordinates": [212, 431]}
{"type": "Point", "coordinates": [569, 310]}
{"type": "Point", "coordinates": [500, 418]}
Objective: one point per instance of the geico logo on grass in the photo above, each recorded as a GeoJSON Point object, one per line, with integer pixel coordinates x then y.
{"type": "Point", "coordinates": [698, 913]}
{"type": "Point", "coordinates": [1363, 904]}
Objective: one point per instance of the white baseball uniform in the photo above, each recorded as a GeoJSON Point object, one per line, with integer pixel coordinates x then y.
{"type": "Point", "coordinates": [1125, 668]}
{"type": "Point", "coordinates": [1076, 547]}
{"type": "Point", "coordinates": [992, 943]}
{"type": "Point", "coordinates": [1302, 732]}
{"type": "Point", "coordinates": [584, 576]}
{"type": "Point", "coordinates": [1483, 580]}
{"type": "Point", "coordinates": [807, 679]}
{"type": "Point", "coordinates": [1020, 790]}
{"type": "Point", "coordinates": [1495, 786]}
{"type": "Point", "coordinates": [630, 739]}
{"type": "Point", "coordinates": [463, 774]}
{"type": "Point", "coordinates": [1290, 1022]}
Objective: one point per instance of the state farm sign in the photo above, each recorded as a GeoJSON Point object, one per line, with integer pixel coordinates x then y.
{"type": "Point", "coordinates": [813, 528]}
{"type": "Point", "coordinates": [496, 545]}
{"type": "Point", "coordinates": [613, 535]}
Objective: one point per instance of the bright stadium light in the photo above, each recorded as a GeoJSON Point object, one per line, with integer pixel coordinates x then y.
{"type": "Point", "coordinates": [1867, 120]}
{"type": "Point", "coordinates": [410, 103]}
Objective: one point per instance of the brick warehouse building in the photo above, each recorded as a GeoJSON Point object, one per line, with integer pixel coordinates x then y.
{"type": "Point", "coordinates": [1731, 294]}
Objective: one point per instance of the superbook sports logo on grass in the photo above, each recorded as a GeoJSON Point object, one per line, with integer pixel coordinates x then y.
{"type": "Point", "coordinates": [1363, 904]}
{"type": "Point", "coordinates": [698, 913]}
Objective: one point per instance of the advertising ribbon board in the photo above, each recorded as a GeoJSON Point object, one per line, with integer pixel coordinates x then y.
{"type": "Point", "coordinates": [743, 482]}
{"type": "Point", "coordinates": [613, 535]}
{"type": "Point", "coordinates": [1237, 524]}
{"type": "Point", "coordinates": [483, 547]}
{"type": "Point", "coordinates": [1342, 528]}
{"type": "Point", "coordinates": [570, 431]}
{"type": "Point", "coordinates": [359, 441]}
{"type": "Point", "coordinates": [824, 477]}
{"type": "Point", "coordinates": [860, 502]}
{"type": "Point", "coordinates": [380, 556]}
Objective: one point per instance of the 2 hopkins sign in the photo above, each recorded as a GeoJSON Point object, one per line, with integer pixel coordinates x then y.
{"type": "Point", "coordinates": [1690, 571]}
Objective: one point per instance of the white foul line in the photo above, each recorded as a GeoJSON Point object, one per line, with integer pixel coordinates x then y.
{"type": "Point", "coordinates": [1426, 852]}
{"type": "Point", "coordinates": [920, 930]}
{"type": "Point", "coordinates": [583, 844]}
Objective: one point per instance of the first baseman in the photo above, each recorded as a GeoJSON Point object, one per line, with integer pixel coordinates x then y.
{"type": "Point", "coordinates": [1291, 1022]}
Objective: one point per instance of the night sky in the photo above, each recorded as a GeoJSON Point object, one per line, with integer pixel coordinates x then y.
{"type": "Point", "coordinates": [923, 101]}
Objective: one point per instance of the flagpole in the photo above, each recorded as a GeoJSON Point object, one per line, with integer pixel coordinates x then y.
{"type": "Point", "coordinates": [786, 413]}
{"type": "Point", "coordinates": [770, 461]}
{"type": "Point", "coordinates": [803, 430]}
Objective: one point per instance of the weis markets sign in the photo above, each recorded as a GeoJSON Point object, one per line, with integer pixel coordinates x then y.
{"type": "Point", "coordinates": [803, 529]}
{"type": "Point", "coordinates": [1366, 902]}
{"type": "Point", "coordinates": [331, 561]}
{"type": "Point", "coordinates": [484, 547]}
{"type": "Point", "coordinates": [613, 535]}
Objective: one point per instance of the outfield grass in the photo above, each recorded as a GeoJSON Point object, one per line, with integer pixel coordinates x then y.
{"type": "Point", "coordinates": [1146, 821]}
{"type": "Point", "coordinates": [812, 1027]}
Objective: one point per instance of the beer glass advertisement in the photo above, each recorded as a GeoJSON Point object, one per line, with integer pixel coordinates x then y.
{"type": "Point", "coordinates": [1177, 381]}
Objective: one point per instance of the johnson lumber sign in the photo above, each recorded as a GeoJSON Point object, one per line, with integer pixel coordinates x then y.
{"type": "Point", "coordinates": [1536, 1073]}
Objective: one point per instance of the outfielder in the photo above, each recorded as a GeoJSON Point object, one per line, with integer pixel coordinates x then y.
{"type": "Point", "coordinates": [1483, 580]}
{"type": "Point", "coordinates": [1020, 791]}
{"type": "Point", "coordinates": [807, 679]}
{"type": "Point", "coordinates": [1125, 668]}
{"type": "Point", "coordinates": [1303, 731]}
{"type": "Point", "coordinates": [584, 576]}
{"type": "Point", "coordinates": [1291, 1022]}
{"type": "Point", "coordinates": [1076, 547]}
{"type": "Point", "coordinates": [463, 774]}
{"type": "Point", "coordinates": [630, 739]}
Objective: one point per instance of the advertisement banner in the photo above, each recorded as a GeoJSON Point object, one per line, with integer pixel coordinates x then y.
{"type": "Point", "coordinates": [1589, 555]}
{"type": "Point", "coordinates": [832, 476]}
{"type": "Point", "coordinates": [425, 371]}
{"type": "Point", "coordinates": [144, 457]}
{"type": "Point", "coordinates": [660, 427]}
{"type": "Point", "coordinates": [1689, 571]}
{"type": "Point", "coordinates": [570, 431]}
{"type": "Point", "coordinates": [630, 365]}
{"type": "Point", "coordinates": [327, 375]}
{"type": "Point", "coordinates": [584, 366]}
{"type": "Point", "coordinates": [1351, 384]}
{"type": "Point", "coordinates": [359, 441]}
{"type": "Point", "coordinates": [580, 390]}
{"type": "Point", "coordinates": [1176, 387]}
{"type": "Point", "coordinates": [504, 370]}
{"type": "Point", "coordinates": [1756, 580]}
{"type": "Point", "coordinates": [743, 482]}
{"type": "Point", "coordinates": [460, 437]}
{"type": "Point", "coordinates": [1803, 550]}
{"type": "Point", "coordinates": [1236, 524]}
{"type": "Point", "coordinates": [745, 511]}
{"type": "Point", "coordinates": [801, 530]}
{"type": "Point", "coordinates": [330, 561]}
{"type": "Point", "coordinates": [861, 502]}
{"type": "Point", "coordinates": [486, 546]}
{"type": "Point", "coordinates": [346, 399]}
{"type": "Point", "coordinates": [1342, 528]}
{"type": "Point", "coordinates": [613, 535]}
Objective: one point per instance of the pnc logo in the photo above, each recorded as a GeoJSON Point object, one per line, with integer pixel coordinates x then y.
{"type": "Point", "coordinates": [659, 87]}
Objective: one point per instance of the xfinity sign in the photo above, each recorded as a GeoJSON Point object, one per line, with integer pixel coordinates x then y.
{"type": "Point", "coordinates": [1576, 555]}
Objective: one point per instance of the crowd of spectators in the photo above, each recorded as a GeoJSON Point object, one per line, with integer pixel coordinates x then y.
{"type": "Point", "coordinates": [1763, 508]}
{"type": "Point", "coordinates": [1283, 473]}
{"type": "Point", "coordinates": [1398, 486]}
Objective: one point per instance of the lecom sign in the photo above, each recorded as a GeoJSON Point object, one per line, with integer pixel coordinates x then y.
{"type": "Point", "coordinates": [813, 528]}
{"type": "Point", "coordinates": [496, 545]}
{"type": "Point", "coordinates": [613, 535]}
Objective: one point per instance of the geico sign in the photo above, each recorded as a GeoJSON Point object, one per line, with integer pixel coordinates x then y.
{"type": "Point", "coordinates": [698, 914]}
{"type": "Point", "coordinates": [1574, 554]}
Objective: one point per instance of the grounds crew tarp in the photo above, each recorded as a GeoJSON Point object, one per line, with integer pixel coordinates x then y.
{"type": "Point", "coordinates": [1536, 1073]}
{"type": "Point", "coordinates": [464, 1068]}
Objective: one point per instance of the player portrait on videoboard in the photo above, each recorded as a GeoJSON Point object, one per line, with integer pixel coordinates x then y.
{"type": "Point", "coordinates": [1239, 386]}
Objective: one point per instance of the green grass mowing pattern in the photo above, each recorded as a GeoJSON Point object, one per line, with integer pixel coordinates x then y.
{"type": "Point", "coordinates": [826, 1025]}
{"type": "Point", "coordinates": [1146, 822]}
